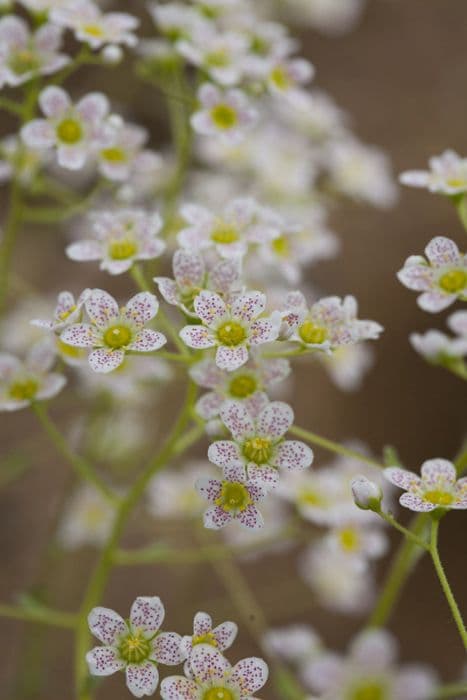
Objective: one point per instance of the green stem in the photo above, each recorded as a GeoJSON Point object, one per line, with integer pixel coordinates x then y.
{"type": "Point", "coordinates": [44, 615]}
{"type": "Point", "coordinates": [332, 446]}
{"type": "Point", "coordinates": [406, 532]}
{"type": "Point", "coordinates": [9, 238]}
{"type": "Point", "coordinates": [453, 690]}
{"type": "Point", "coordinates": [81, 466]}
{"type": "Point", "coordinates": [456, 613]}
{"type": "Point", "coordinates": [11, 106]}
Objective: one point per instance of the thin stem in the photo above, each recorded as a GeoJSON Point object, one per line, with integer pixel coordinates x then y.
{"type": "Point", "coordinates": [453, 690]}
{"type": "Point", "coordinates": [389, 518]}
{"type": "Point", "coordinates": [332, 446]}
{"type": "Point", "coordinates": [456, 613]}
{"type": "Point", "coordinates": [11, 106]}
{"type": "Point", "coordinates": [46, 616]}
{"type": "Point", "coordinates": [81, 465]}
{"type": "Point", "coordinates": [9, 238]}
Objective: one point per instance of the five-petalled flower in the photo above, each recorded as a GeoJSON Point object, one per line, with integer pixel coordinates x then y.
{"type": "Point", "coordinates": [436, 488]}
{"type": "Point", "coordinates": [224, 113]}
{"type": "Point", "coordinates": [221, 637]}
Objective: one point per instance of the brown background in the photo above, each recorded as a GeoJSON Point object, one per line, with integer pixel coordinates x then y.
{"type": "Point", "coordinates": [402, 75]}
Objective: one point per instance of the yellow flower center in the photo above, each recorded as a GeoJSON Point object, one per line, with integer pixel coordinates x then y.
{"type": "Point", "coordinates": [224, 233]}
{"type": "Point", "coordinates": [69, 350]}
{"type": "Point", "coordinates": [456, 182]}
{"type": "Point", "coordinates": [440, 498]}
{"type": "Point", "coordinates": [231, 333]}
{"type": "Point", "coordinates": [258, 450]}
{"type": "Point", "coordinates": [453, 281]}
{"type": "Point", "coordinates": [24, 61]}
{"type": "Point", "coordinates": [69, 131]}
{"type": "Point", "coordinates": [93, 30]}
{"type": "Point", "coordinates": [243, 385]}
{"type": "Point", "coordinates": [311, 498]}
{"type": "Point", "coordinates": [281, 246]}
{"type": "Point", "coordinates": [234, 496]}
{"type": "Point", "coordinates": [218, 694]}
{"type": "Point", "coordinates": [280, 78]}
{"type": "Point", "coordinates": [23, 390]}
{"type": "Point", "coordinates": [134, 648]}
{"type": "Point", "coordinates": [122, 249]}
{"type": "Point", "coordinates": [349, 540]}
{"type": "Point", "coordinates": [309, 332]}
{"type": "Point", "coordinates": [207, 638]}
{"type": "Point", "coordinates": [117, 336]}
{"type": "Point", "coordinates": [217, 59]}
{"type": "Point", "coordinates": [114, 155]}
{"type": "Point", "coordinates": [224, 116]}
{"type": "Point", "coordinates": [368, 691]}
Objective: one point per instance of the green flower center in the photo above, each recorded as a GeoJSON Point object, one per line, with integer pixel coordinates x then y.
{"type": "Point", "coordinates": [311, 498]}
{"type": "Point", "coordinates": [224, 116]}
{"type": "Point", "coordinates": [258, 450]}
{"type": "Point", "coordinates": [117, 336]}
{"type": "Point", "coordinates": [440, 498]}
{"type": "Point", "coordinates": [456, 182]}
{"type": "Point", "coordinates": [93, 30]}
{"type": "Point", "coordinates": [372, 690]}
{"type": "Point", "coordinates": [234, 496]}
{"type": "Point", "coordinates": [207, 638]}
{"type": "Point", "coordinates": [309, 332]}
{"type": "Point", "coordinates": [243, 385]}
{"type": "Point", "coordinates": [122, 249]}
{"type": "Point", "coordinates": [259, 45]}
{"type": "Point", "coordinates": [134, 648]}
{"type": "Point", "coordinates": [280, 78]}
{"type": "Point", "coordinates": [453, 281]}
{"type": "Point", "coordinates": [217, 59]}
{"type": "Point", "coordinates": [223, 233]}
{"type": "Point", "coordinates": [23, 390]}
{"type": "Point", "coordinates": [69, 131]}
{"type": "Point", "coordinates": [231, 333]}
{"type": "Point", "coordinates": [281, 246]}
{"type": "Point", "coordinates": [218, 694]}
{"type": "Point", "coordinates": [349, 539]}
{"type": "Point", "coordinates": [114, 155]}
{"type": "Point", "coordinates": [24, 61]}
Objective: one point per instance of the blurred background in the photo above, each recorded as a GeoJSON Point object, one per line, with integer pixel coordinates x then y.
{"type": "Point", "coordinates": [401, 74]}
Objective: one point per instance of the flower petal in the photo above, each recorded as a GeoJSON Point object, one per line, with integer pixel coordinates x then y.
{"type": "Point", "coordinates": [147, 613]}
{"type": "Point", "coordinates": [251, 517]}
{"type": "Point", "coordinates": [275, 419]}
{"type": "Point", "coordinates": [178, 688]}
{"type": "Point", "coordinates": [223, 452]}
{"type": "Point", "coordinates": [264, 330]}
{"type": "Point", "coordinates": [80, 335]}
{"type": "Point", "coordinates": [93, 107]}
{"type": "Point", "coordinates": [141, 308]}
{"type": "Point", "coordinates": [208, 664]}
{"type": "Point", "coordinates": [293, 454]}
{"type": "Point", "coordinates": [401, 478]}
{"type": "Point", "coordinates": [209, 405]}
{"type": "Point", "coordinates": [216, 517]}
{"type": "Point", "coordinates": [104, 360]}
{"type": "Point", "coordinates": [225, 634]}
{"type": "Point", "coordinates": [410, 500]}
{"type": "Point", "coordinates": [38, 133]}
{"type": "Point", "coordinates": [267, 477]}
{"type": "Point", "coordinates": [101, 307]}
{"type": "Point", "coordinates": [435, 471]}
{"type": "Point", "coordinates": [106, 625]}
{"type": "Point", "coordinates": [103, 661]}
{"type": "Point", "coordinates": [197, 337]}
{"type": "Point", "coordinates": [210, 489]}
{"type": "Point", "coordinates": [166, 649]}
{"type": "Point", "coordinates": [249, 306]}
{"type": "Point", "coordinates": [231, 358]}
{"type": "Point", "coordinates": [237, 419]}
{"type": "Point", "coordinates": [82, 251]}
{"type": "Point", "coordinates": [210, 307]}
{"type": "Point", "coordinates": [435, 301]}
{"type": "Point", "coordinates": [147, 340]}
{"type": "Point", "coordinates": [54, 101]}
{"type": "Point", "coordinates": [142, 679]}
{"type": "Point", "coordinates": [188, 268]}
{"type": "Point", "coordinates": [442, 251]}
{"type": "Point", "coordinates": [250, 674]}
{"type": "Point", "coordinates": [202, 624]}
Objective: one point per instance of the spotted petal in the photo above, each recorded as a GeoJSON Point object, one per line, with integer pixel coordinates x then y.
{"type": "Point", "coordinates": [178, 688]}
{"type": "Point", "coordinates": [216, 517]}
{"type": "Point", "coordinates": [210, 307]}
{"type": "Point", "coordinates": [237, 419]}
{"type": "Point", "coordinates": [208, 664]}
{"type": "Point", "coordinates": [250, 674]}
{"type": "Point", "coordinates": [231, 358]}
{"type": "Point", "coordinates": [197, 337]}
{"type": "Point", "coordinates": [103, 661]}
{"type": "Point", "coordinates": [293, 454]}
{"type": "Point", "coordinates": [104, 360]}
{"type": "Point", "coordinates": [275, 419]}
{"type": "Point", "coordinates": [188, 269]}
{"type": "Point", "coordinates": [210, 489]}
{"type": "Point", "coordinates": [442, 251]}
{"type": "Point", "coordinates": [79, 335]}
{"type": "Point", "coordinates": [435, 471]}
{"type": "Point", "coordinates": [251, 517]}
{"type": "Point", "coordinates": [209, 405]}
{"type": "Point", "coordinates": [223, 452]}
{"type": "Point", "coordinates": [225, 634]}
{"type": "Point", "coordinates": [249, 306]}
{"type": "Point", "coordinates": [106, 625]}
{"type": "Point", "coordinates": [101, 307]}
{"type": "Point", "coordinates": [166, 649]}
{"type": "Point", "coordinates": [410, 500]}
{"type": "Point", "coordinates": [141, 308]}
{"type": "Point", "coordinates": [264, 330]}
{"type": "Point", "coordinates": [402, 478]}
{"type": "Point", "coordinates": [142, 679]}
{"type": "Point", "coordinates": [147, 340]}
{"type": "Point", "coordinates": [147, 613]}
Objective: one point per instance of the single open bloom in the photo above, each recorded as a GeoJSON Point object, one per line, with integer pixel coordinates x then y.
{"type": "Point", "coordinates": [447, 174]}
{"type": "Point", "coordinates": [136, 646]}
{"type": "Point", "coordinates": [67, 311]}
{"type": "Point", "coordinates": [225, 114]}
{"type": "Point", "coordinates": [221, 637]}
{"type": "Point", "coordinates": [92, 26]}
{"type": "Point", "coordinates": [436, 488]}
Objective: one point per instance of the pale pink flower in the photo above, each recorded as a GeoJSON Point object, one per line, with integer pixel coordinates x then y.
{"type": "Point", "coordinates": [120, 239]}
{"type": "Point", "coordinates": [71, 129]}
{"type": "Point", "coordinates": [215, 676]}
{"type": "Point", "coordinates": [447, 174]}
{"type": "Point", "coordinates": [136, 646]}
{"type": "Point", "coordinates": [225, 114]}
{"type": "Point", "coordinates": [112, 332]}
{"type": "Point", "coordinates": [258, 441]}
{"type": "Point", "coordinates": [442, 278]}
{"type": "Point", "coordinates": [233, 329]}
{"type": "Point", "coordinates": [24, 55]}
{"type": "Point", "coordinates": [95, 28]}
{"type": "Point", "coordinates": [436, 488]}
{"type": "Point", "coordinates": [67, 311]}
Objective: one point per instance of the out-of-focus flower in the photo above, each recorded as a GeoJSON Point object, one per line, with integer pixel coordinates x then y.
{"type": "Point", "coordinates": [71, 129]}
{"type": "Point", "coordinates": [235, 497]}
{"type": "Point", "coordinates": [258, 442]}
{"type": "Point", "coordinates": [447, 174]}
{"type": "Point", "coordinates": [220, 55]}
{"type": "Point", "coordinates": [68, 310]}
{"type": "Point", "coordinates": [297, 644]}
{"type": "Point", "coordinates": [226, 114]}
{"type": "Point", "coordinates": [436, 488]}
{"type": "Point", "coordinates": [19, 161]}
{"type": "Point", "coordinates": [177, 21]}
{"type": "Point", "coordinates": [348, 365]}
{"type": "Point", "coordinates": [442, 278]}
{"type": "Point", "coordinates": [87, 519]}
{"type": "Point", "coordinates": [369, 670]}
{"type": "Point", "coordinates": [95, 28]}
{"type": "Point", "coordinates": [136, 646]}
{"type": "Point", "coordinates": [113, 332]}
{"type": "Point", "coordinates": [22, 383]}
{"type": "Point", "coordinates": [24, 55]}
{"type": "Point", "coordinates": [123, 153]}
{"type": "Point", "coordinates": [172, 494]}
{"type": "Point", "coordinates": [285, 76]}
{"type": "Point", "coordinates": [215, 678]}
{"type": "Point", "coordinates": [437, 346]}
{"type": "Point", "coordinates": [232, 329]}
{"type": "Point", "coordinates": [332, 17]}
{"type": "Point", "coordinates": [121, 238]}
{"type": "Point", "coordinates": [357, 540]}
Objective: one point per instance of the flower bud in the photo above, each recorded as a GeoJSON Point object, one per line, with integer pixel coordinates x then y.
{"type": "Point", "coordinates": [112, 54]}
{"type": "Point", "coordinates": [366, 494]}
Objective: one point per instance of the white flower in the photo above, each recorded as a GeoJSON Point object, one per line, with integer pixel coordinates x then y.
{"type": "Point", "coordinates": [24, 55]}
{"type": "Point", "coordinates": [112, 332]}
{"type": "Point", "coordinates": [442, 278]}
{"type": "Point", "coordinates": [233, 497]}
{"type": "Point", "coordinates": [121, 238]}
{"type": "Point", "coordinates": [221, 637]}
{"type": "Point", "coordinates": [447, 174]}
{"type": "Point", "coordinates": [436, 488]}
{"type": "Point", "coordinates": [178, 21]}
{"type": "Point", "coordinates": [258, 441]}
{"type": "Point", "coordinates": [136, 646]}
{"type": "Point", "coordinates": [369, 670]}
{"type": "Point", "coordinates": [297, 644]}
{"type": "Point", "coordinates": [71, 129]}
{"type": "Point", "coordinates": [437, 347]}
{"type": "Point", "coordinates": [220, 55]}
{"type": "Point", "coordinates": [232, 329]}
{"type": "Point", "coordinates": [357, 540]}
{"type": "Point", "coordinates": [172, 494]}
{"type": "Point", "coordinates": [67, 311]}
{"type": "Point", "coordinates": [87, 520]}
{"type": "Point", "coordinates": [95, 28]}
{"type": "Point", "coordinates": [284, 76]}
{"type": "Point", "coordinates": [123, 153]}
{"type": "Point", "coordinates": [247, 384]}
{"type": "Point", "coordinates": [348, 365]}
{"type": "Point", "coordinates": [332, 17]}
{"type": "Point", "coordinates": [226, 114]}
{"type": "Point", "coordinates": [215, 678]}
{"type": "Point", "coordinates": [21, 383]}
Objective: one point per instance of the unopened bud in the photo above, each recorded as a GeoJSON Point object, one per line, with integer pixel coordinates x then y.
{"type": "Point", "coordinates": [366, 494]}
{"type": "Point", "coordinates": [112, 54]}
